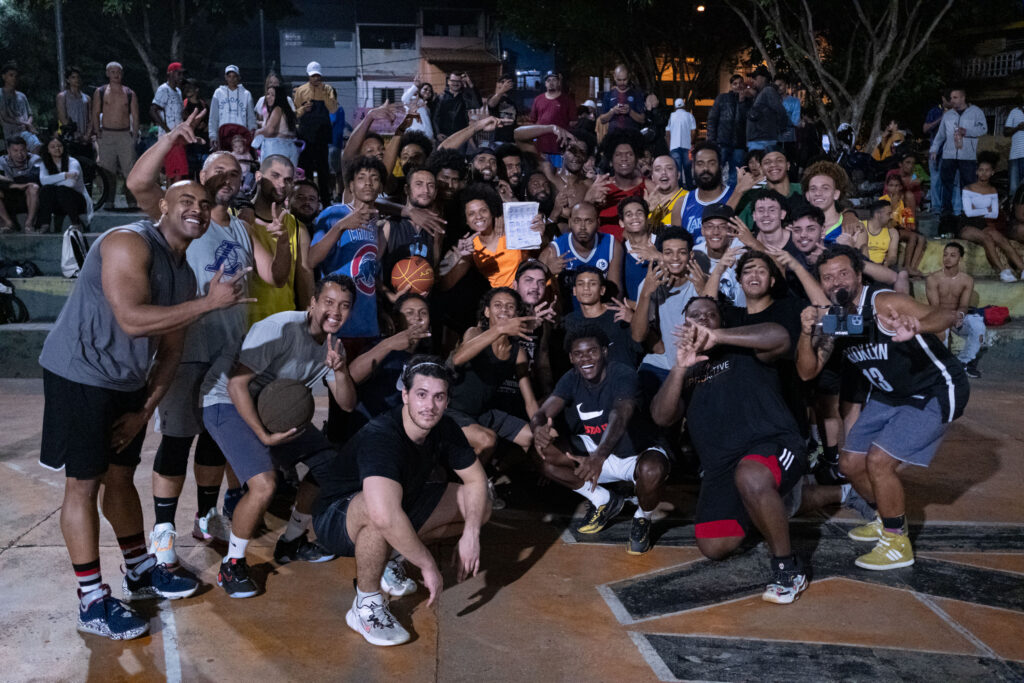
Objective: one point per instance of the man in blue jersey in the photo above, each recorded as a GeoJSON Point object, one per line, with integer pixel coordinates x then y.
{"type": "Point", "coordinates": [707, 173]}
{"type": "Point", "coordinates": [582, 246]}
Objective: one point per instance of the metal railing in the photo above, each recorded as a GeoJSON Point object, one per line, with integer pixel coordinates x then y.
{"type": "Point", "coordinates": [993, 66]}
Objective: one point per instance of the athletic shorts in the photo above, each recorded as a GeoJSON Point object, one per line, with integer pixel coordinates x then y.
{"type": "Point", "coordinates": [624, 469]}
{"type": "Point", "coordinates": [720, 509]}
{"type": "Point", "coordinates": [843, 380]}
{"type": "Point", "coordinates": [180, 413]}
{"type": "Point", "coordinates": [506, 426]}
{"type": "Point", "coordinates": [14, 201]}
{"type": "Point", "coordinates": [907, 433]}
{"type": "Point", "coordinates": [248, 456]}
{"type": "Point", "coordinates": [78, 422]}
{"type": "Point", "coordinates": [332, 533]}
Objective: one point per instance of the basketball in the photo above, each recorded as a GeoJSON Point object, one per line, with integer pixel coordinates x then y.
{"type": "Point", "coordinates": [413, 272]}
{"type": "Point", "coordinates": [285, 404]}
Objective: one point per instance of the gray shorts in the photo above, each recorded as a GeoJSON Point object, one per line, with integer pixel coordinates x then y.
{"type": "Point", "coordinates": [507, 427]}
{"type": "Point", "coordinates": [907, 433]}
{"type": "Point", "coordinates": [180, 413]}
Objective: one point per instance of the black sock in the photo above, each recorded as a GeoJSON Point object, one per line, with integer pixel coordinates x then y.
{"type": "Point", "coordinates": [894, 524]}
{"type": "Point", "coordinates": [830, 454]}
{"type": "Point", "coordinates": [207, 497]}
{"type": "Point", "coordinates": [787, 563]}
{"type": "Point", "coordinates": [165, 509]}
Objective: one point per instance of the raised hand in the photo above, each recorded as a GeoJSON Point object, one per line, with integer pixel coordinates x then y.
{"type": "Point", "coordinates": [809, 318]}
{"type": "Point", "coordinates": [688, 346]}
{"type": "Point", "coordinates": [783, 258]}
{"type": "Point", "coordinates": [555, 264]}
{"type": "Point", "coordinates": [730, 257]}
{"type": "Point", "coordinates": [904, 327]}
{"type": "Point", "coordinates": [696, 275]}
{"type": "Point", "coordinates": [184, 132]}
{"type": "Point", "coordinates": [599, 189]}
{"type": "Point", "coordinates": [545, 312]}
{"type": "Point", "coordinates": [542, 437]}
{"type": "Point", "coordinates": [427, 220]}
{"type": "Point", "coordinates": [276, 226]}
{"type": "Point", "coordinates": [465, 245]}
{"type": "Point", "coordinates": [623, 311]}
{"type": "Point", "coordinates": [226, 293]}
{"type": "Point", "coordinates": [336, 358]}
{"type": "Point", "coordinates": [517, 327]}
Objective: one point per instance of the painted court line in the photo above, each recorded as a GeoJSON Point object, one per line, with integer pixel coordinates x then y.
{"type": "Point", "coordinates": [652, 657]}
{"type": "Point", "coordinates": [169, 633]}
{"type": "Point", "coordinates": [955, 625]}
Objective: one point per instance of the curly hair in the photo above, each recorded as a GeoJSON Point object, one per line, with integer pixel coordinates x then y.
{"type": "Point", "coordinates": [830, 169]}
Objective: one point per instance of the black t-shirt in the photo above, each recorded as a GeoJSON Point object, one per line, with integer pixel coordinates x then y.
{"type": "Point", "coordinates": [733, 402]}
{"type": "Point", "coordinates": [621, 347]}
{"type": "Point", "coordinates": [404, 240]}
{"type": "Point", "coordinates": [478, 380]}
{"type": "Point", "coordinates": [588, 407]}
{"type": "Point", "coordinates": [382, 391]}
{"type": "Point", "coordinates": [382, 449]}
{"type": "Point", "coordinates": [795, 286]}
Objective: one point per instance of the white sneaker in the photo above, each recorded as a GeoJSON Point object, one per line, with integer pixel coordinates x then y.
{"type": "Point", "coordinates": [374, 621]}
{"type": "Point", "coordinates": [210, 526]}
{"type": "Point", "coordinates": [1007, 275]}
{"type": "Point", "coordinates": [394, 580]}
{"type": "Point", "coordinates": [161, 544]}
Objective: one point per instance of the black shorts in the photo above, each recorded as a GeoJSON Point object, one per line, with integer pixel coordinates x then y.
{"type": "Point", "coordinates": [505, 426]}
{"type": "Point", "coordinates": [842, 379]}
{"type": "Point", "coordinates": [77, 423]}
{"type": "Point", "coordinates": [14, 200]}
{"type": "Point", "coordinates": [720, 510]}
{"type": "Point", "coordinates": [332, 534]}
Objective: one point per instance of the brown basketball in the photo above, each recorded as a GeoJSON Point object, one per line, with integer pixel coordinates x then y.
{"type": "Point", "coordinates": [413, 272]}
{"type": "Point", "coordinates": [285, 404]}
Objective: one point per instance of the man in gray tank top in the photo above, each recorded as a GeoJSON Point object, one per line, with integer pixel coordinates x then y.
{"type": "Point", "coordinates": [106, 365]}
{"type": "Point", "coordinates": [226, 244]}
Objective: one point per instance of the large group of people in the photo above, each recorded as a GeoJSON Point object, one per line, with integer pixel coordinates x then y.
{"type": "Point", "coordinates": [750, 330]}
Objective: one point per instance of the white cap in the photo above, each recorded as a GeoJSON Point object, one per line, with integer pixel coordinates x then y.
{"type": "Point", "coordinates": [231, 67]}
{"type": "Point", "coordinates": [313, 68]}
{"type": "Point", "coordinates": [590, 103]}
{"type": "Point", "coordinates": [680, 103]}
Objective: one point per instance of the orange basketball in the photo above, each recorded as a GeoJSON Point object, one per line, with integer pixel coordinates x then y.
{"type": "Point", "coordinates": [413, 272]}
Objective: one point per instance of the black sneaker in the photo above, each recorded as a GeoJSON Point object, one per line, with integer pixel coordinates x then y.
{"type": "Point", "coordinates": [639, 536]}
{"type": "Point", "coordinates": [234, 578]}
{"type": "Point", "coordinates": [972, 370]}
{"type": "Point", "coordinates": [598, 517]}
{"type": "Point", "coordinates": [156, 581]}
{"type": "Point", "coordinates": [300, 549]}
{"type": "Point", "coordinates": [108, 617]}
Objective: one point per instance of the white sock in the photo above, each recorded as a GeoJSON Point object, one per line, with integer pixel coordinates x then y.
{"type": "Point", "coordinates": [297, 524]}
{"type": "Point", "coordinates": [236, 548]}
{"type": "Point", "coordinates": [646, 514]}
{"type": "Point", "coordinates": [599, 496]}
{"type": "Point", "coordinates": [361, 596]}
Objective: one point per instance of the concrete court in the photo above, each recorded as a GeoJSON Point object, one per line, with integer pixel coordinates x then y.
{"type": "Point", "coordinates": [548, 607]}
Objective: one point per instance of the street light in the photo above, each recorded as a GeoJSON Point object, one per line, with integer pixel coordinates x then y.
{"type": "Point", "coordinates": [700, 8]}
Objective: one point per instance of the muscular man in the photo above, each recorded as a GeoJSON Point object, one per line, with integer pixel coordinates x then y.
{"type": "Point", "coordinates": [725, 377]}
{"type": "Point", "coordinates": [951, 289]}
{"type": "Point", "coordinates": [918, 388]}
{"type": "Point", "coordinates": [115, 121]}
{"type": "Point", "coordinates": [383, 492]}
{"type": "Point", "coordinates": [107, 363]}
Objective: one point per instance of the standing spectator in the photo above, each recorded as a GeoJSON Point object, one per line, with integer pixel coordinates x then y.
{"type": "Point", "coordinates": [420, 97]}
{"type": "Point", "coordinates": [115, 122]}
{"type": "Point", "coordinates": [501, 105]}
{"type": "Point", "coordinates": [453, 110]}
{"type": "Point", "coordinates": [931, 128]}
{"type": "Point", "coordinates": [680, 135]}
{"type": "Point", "coordinates": [15, 112]}
{"type": "Point", "coordinates": [767, 118]}
{"type": "Point", "coordinates": [279, 129]}
{"type": "Point", "coordinates": [315, 101]}
{"type": "Point", "coordinates": [727, 124]}
{"type": "Point", "coordinates": [272, 81]}
{"type": "Point", "coordinates": [63, 189]}
{"type": "Point", "coordinates": [19, 185]}
{"type": "Point", "coordinates": [1015, 127]}
{"type": "Point", "coordinates": [73, 106]}
{"type": "Point", "coordinates": [957, 139]}
{"type": "Point", "coordinates": [231, 104]}
{"type": "Point", "coordinates": [193, 102]}
{"type": "Point", "coordinates": [623, 105]}
{"type": "Point", "coordinates": [791, 104]}
{"type": "Point", "coordinates": [655, 124]}
{"type": "Point", "coordinates": [554, 107]}
{"type": "Point", "coordinates": [166, 111]}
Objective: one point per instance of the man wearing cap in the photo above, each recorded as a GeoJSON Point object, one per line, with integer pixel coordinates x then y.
{"type": "Point", "coordinates": [231, 105]}
{"type": "Point", "coordinates": [315, 101]}
{"type": "Point", "coordinates": [767, 118]}
{"type": "Point", "coordinates": [718, 253]}
{"type": "Point", "coordinates": [680, 134]}
{"type": "Point", "coordinates": [166, 112]}
{"type": "Point", "coordinates": [115, 119]}
{"type": "Point", "coordinates": [552, 108]}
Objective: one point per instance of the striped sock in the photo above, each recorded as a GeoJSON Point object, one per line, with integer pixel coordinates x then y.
{"type": "Point", "coordinates": [89, 580]}
{"type": "Point", "coordinates": [135, 556]}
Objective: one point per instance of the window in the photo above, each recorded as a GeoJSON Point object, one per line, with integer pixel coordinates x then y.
{"type": "Point", "coordinates": [381, 94]}
{"type": "Point", "coordinates": [452, 23]}
{"type": "Point", "coordinates": [387, 37]}
{"type": "Point", "coordinates": [314, 38]}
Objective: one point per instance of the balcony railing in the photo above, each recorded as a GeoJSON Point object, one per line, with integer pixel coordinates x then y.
{"type": "Point", "coordinates": [993, 66]}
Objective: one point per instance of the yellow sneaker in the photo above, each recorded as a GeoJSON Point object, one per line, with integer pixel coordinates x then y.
{"type": "Point", "coordinates": [892, 551]}
{"type": "Point", "coordinates": [598, 517]}
{"type": "Point", "coordinates": [868, 533]}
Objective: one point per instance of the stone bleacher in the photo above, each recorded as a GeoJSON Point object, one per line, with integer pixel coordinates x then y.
{"type": "Point", "coordinates": [45, 295]}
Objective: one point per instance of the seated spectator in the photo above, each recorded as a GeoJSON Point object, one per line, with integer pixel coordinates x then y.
{"type": "Point", "coordinates": [911, 182]}
{"type": "Point", "coordinates": [19, 185]}
{"type": "Point", "coordinates": [883, 242]}
{"type": "Point", "coordinates": [951, 289]}
{"type": "Point", "coordinates": [904, 219]}
{"type": "Point", "coordinates": [982, 223]}
{"type": "Point", "coordinates": [664, 194]}
{"type": "Point", "coordinates": [63, 190]}
{"type": "Point", "coordinates": [15, 112]}
{"type": "Point", "coordinates": [888, 141]}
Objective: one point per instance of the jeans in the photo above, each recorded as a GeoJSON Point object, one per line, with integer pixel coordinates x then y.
{"type": "Point", "coordinates": [766, 145]}
{"type": "Point", "coordinates": [733, 156]}
{"type": "Point", "coordinates": [1016, 174]}
{"type": "Point", "coordinates": [949, 170]}
{"type": "Point", "coordinates": [972, 329]}
{"type": "Point", "coordinates": [681, 155]}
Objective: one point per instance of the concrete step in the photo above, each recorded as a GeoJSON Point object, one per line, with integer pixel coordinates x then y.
{"type": "Point", "coordinates": [43, 296]}
{"type": "Point", "coordinates": [974, 261]}
{"type": "Point", "coordinates": [990, 291]}
{"type": "Point", "coordinates": [19, 349]}
{"type": "Point", "coordinates": [44, 249]}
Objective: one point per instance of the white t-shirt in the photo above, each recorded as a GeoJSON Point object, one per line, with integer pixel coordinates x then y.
{"type": "Point", "coordinates": [680, 124]}
{"type": "Point", "coordinates": [729, 285]}
{"type": "Point", "coordinates": [169, 100]}
{"type": "Point", "coordinates": [1017, 140]}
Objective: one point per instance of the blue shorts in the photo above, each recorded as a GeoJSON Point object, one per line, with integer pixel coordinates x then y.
{"type": "Point", "coordinates": [907, 433]}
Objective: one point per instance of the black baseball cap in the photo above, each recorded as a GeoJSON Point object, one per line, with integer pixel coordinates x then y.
{"type": "Point", "coordinates": [549, 74]}
{"type": "Point", "coordinates": [723, 211]}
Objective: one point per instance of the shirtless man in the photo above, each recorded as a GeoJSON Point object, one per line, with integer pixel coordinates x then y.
{"type": "Point", "coordinates": [951, 289]}
{"type": "Point", "coordinates": [115, 121]}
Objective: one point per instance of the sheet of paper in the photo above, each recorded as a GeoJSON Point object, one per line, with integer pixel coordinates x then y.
{"type": "Point", "coordinates": [518, 216]}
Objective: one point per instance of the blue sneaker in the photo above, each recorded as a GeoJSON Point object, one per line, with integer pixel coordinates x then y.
{"type": "Point", "coordinates": [156, 581]}
{"type": "Point", "coordinates": [109, 617]}
{"type": "Point", "coordinates": [231, 498]}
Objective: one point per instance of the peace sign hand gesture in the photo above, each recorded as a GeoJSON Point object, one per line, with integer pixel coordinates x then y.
{"type": "Point", "coordinates": [336, 359]}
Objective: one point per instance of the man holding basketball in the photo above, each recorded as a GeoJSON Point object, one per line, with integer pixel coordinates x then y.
{"type": "Point", "coordinates": [388, 490]}
{"type": "Point", "coordinates": [297, 345]}
{"type": "Point", "coordinates": [402, 237]}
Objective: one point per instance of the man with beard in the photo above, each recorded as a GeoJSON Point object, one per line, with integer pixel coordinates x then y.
{"type": "Point", "coordinates": [346, 241]}
{"type": "Point", "coordinates": [583, 245]}
{"type": "Point", "coordinates": [402, 238]}
{"type": "Point", "coordinates": [295, 345]}
{"type": "Point", "coordinates": [556, 108]}
{"type": "Point", "coordinates": [610, 438]}
{"type": "Point", "coordinates": [274, 184]}
{"type": "Point", "coordinates": [226, 245]}
{"type": "Point", "coordinates": [107, 363]}
{"type": "Point", "coordinates": [383, 492]}
{"type": "Point", "coordinates": [918, 388]}
{"type": "Point", "coordinates": [538, 189]}
{"type": "Point", "coordinates": [775, 168]}
{"type": "Point", "coordinates": [664, 196]}
{"type": "Point", "coordinates": [531, 283]}
{"type": "Point", "coordinates": [623, 149]}
{"type": "Point", "coordinates": [710, 189]}
{"type": "Point", "coordinates": [511, 159]}
{"type": "Point", "coordinates": [304, 203]}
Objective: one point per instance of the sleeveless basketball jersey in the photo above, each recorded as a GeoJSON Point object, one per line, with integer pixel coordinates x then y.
{"type": "Point", "coordinates": [833, 232]}
{"type": "Point", "coordinates": [906, 373]}
{"type": "Point", "coordinates": [692, 213]}
{"type": "Point", "coordinates": [271, 299]}
{"type": "Point", "coordinates": [356, 255]}
{"type": "Point", "coordinates": [669, 206]}
{"type": "Point", "coordinates": [600, 257]}
{"type": "Point", "coordinates": [878, 245]}
{"type": "Point", "coordinates": [634, 271]}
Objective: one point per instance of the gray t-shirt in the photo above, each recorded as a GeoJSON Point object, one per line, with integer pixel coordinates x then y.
{"type": "Point", "coordinates": [670, 305]}
{"type": "Point", "coordinates": [218, 332]}
{"type": "Point", "coordinates": [14, 106]}
{"type": "Point", "coordinates": [86, 344]}
{"type": "Point", "coordinates": [277, 347]}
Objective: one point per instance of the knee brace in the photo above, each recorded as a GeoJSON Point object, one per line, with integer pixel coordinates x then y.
{"type": "Point", "coordinates": [208, 453]}
{"type": "Point", "coordinates": [172, 456]}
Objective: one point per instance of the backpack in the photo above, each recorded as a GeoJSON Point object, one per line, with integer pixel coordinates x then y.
{"type": "Point", "coordinates": [102, 90]}
{"type": "Point", "coordinates": [73, 249]}
{"type": "Point", "coordinates": [996, 315]}
{"type": "Point", "coordinates": [12, 309]}
{"type": "Point", "coordinates": [18, 269]}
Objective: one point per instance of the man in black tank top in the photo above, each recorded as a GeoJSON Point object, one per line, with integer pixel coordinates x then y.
{"type": "Point", "coordinates": [917, 389]}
